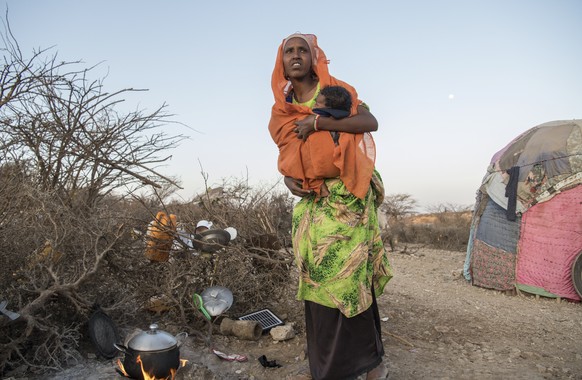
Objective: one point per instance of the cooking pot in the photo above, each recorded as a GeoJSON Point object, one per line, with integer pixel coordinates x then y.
{"type": "Point", "coordinates": [158, 351]}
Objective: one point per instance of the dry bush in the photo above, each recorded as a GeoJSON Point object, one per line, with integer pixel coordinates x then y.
{"type": "Point", "coordinates": [443, 230]}
{"type": "Point", "coordinates": [391, 214]}
{"type": "Point", "coordinates": [255, 266]}
{"type": "Point", "coordinates": [60, 261]}
{"type": "Point", "coordinates": [51, 255]}
{"type": "Point", "coordinates": [445, 227]}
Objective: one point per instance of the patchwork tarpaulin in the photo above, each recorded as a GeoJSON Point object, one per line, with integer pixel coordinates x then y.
{"type": "Point", "coordinates": [526, 230]}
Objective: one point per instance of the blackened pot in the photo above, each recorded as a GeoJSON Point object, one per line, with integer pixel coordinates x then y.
{"type": "Point", "coordinates": [158, 351]}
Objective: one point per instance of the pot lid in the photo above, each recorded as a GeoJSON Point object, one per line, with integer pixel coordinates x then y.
{"type": "Point", "coordinates": [217, 300]}
{"type": "Point", "coordinates": [152, 340]}
{"type": "Point", "coordinates": [103, 334]}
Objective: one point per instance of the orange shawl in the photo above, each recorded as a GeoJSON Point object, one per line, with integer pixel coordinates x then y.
{"type": "Point", "coordinates": [318, 157]}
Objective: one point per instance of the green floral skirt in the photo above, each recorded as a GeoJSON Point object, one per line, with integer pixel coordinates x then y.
{"type": "Point", "coordinates": [338, 248]}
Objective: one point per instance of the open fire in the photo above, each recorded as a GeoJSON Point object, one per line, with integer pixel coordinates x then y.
{"type": "Point", "coordinates": [148, 375]}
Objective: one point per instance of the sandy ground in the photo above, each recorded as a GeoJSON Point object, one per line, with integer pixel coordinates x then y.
{"type": "Point", "coordinates": [442, 327]}
{"type": "Point", "coordinates": [435, 325]}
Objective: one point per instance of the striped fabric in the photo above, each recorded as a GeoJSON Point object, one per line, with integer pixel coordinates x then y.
{"type": "Point", "coordinates": [495, 230]}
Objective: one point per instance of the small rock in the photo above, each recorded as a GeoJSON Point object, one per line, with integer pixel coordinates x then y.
{"type": "Point", "coordinates": [442, 329]}
{"type": "Point", "coordinates": [281, 333]}
{"type": "Point", "coordinates": [515, 353]}
{"type": "Point", "coordinates": [489, 356]}
{"type": "Point", "coordinates": [528, 355]}
{"type": "Point", "coordinates": [302, 355]}
{"type": "Point", "coordinates": [158, 304]}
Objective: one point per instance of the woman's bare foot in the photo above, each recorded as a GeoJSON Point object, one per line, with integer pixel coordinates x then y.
{"type": "Point", "coordinates": [378, 373]}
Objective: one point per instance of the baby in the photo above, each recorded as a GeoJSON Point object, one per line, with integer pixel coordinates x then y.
{"type": "Point", "coordinates": [333, 101]}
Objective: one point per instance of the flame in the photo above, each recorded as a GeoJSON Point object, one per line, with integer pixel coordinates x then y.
{"type": "Point", "coordinates": [122, 368]}
{"type": "Point", "coordinates": [148, 376]}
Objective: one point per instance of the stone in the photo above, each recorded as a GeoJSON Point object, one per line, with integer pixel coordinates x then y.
{"type": "Point", "coordinates": [281, 333]}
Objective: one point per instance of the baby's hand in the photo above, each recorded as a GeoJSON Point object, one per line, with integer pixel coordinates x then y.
{"type": "Point", "coordinates": [304, 127]}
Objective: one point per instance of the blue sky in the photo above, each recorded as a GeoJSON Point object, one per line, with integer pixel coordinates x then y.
{"type": "Point", "coordinates": [451, 82]}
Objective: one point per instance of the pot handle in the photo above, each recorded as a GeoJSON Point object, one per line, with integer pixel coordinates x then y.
{"type": "Point", "coordinates": [121, 348]}
{"type": "Point", "coordinates": [181, 338]}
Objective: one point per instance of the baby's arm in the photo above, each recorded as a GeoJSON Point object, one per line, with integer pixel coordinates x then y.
{"type": "Point", "coordinates": [363, 122]}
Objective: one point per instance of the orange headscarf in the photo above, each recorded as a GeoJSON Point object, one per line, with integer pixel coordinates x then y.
{"type": "Point", "coordinates": [318, 158]}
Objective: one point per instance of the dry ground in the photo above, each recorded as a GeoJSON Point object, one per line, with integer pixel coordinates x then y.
{"type": "Point", "coordinates": [435, 324]}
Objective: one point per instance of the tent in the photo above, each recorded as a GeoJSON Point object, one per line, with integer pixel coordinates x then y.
{"type": "Point", "coordinates": [526, 230]}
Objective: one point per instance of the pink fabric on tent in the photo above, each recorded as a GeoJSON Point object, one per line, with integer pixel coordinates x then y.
{"type": "Point", "coordinates": [551, 237]}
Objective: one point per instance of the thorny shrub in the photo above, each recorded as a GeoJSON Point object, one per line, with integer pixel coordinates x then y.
{"type": "Point", "coordinates": [446, 230]}
{"type": "Point", "coordinates": [447, 226]}
{"type": "Point", "coordinates": [61, 263]}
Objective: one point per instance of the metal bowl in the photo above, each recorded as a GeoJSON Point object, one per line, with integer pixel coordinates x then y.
{"type": "Point", "coordinates": [211, 240]}
{"type": "Point", "coordinates": [217, 300]}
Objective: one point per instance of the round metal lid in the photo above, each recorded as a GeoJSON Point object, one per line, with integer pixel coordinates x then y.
{"type": "Point", "coordinates": [152, 340]}
{"type": "Point", "coordinates": [217, 300]}
{"type": "Point", "coordinates": [103, 334]}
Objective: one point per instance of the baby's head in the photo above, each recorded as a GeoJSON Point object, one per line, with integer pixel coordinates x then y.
{"type": "Point", "coordinates": [335, 97]}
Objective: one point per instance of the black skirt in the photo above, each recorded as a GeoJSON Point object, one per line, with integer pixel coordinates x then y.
{"type": "Point", "coordinates": [339, 347]}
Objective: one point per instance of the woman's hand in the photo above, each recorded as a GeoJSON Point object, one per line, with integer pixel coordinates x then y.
{"type": "Point", "coordinates": [305, 127]}
{"type": "Point", "coordinates": [295, 186]}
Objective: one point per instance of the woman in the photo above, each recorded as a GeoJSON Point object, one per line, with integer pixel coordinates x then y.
{"type": "Point", "coordinates": [336, 238]}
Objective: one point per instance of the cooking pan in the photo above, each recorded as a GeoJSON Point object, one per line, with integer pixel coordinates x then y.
{"type": "Point", "coordinates": [211, 240]}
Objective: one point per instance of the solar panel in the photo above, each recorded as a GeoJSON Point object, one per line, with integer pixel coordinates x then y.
{"type": "Point", "coordinates": [266, 318]}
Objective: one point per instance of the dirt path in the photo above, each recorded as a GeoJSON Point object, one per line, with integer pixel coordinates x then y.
{"type": "Point", "coordinates": [439, 326]}
{"type": "Point", "coordinates": [436, 326]}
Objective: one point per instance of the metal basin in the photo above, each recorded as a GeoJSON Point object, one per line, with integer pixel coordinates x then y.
{"type": "Point", "coordinates": [217, 300]}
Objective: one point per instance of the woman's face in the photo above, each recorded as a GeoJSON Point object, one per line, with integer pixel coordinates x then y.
{"type": "Point", "coordinates": [297, 58]}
